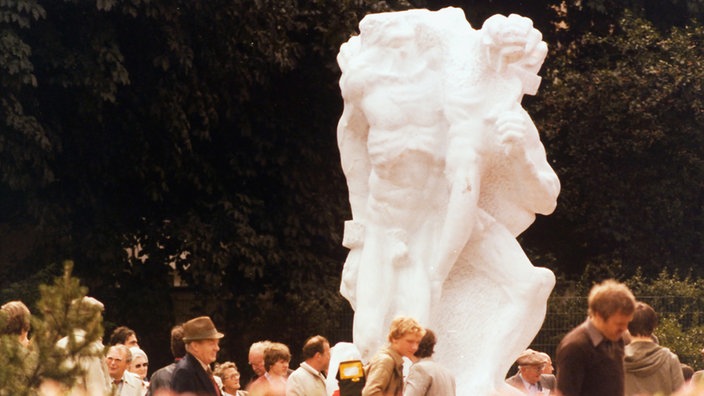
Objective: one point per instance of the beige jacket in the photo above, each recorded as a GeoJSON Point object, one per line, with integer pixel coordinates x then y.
{"type": "Point", "coordinates": [385, 374]}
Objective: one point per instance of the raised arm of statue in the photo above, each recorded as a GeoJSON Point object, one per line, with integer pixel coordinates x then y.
{"type": "Point", "coordinates": [512, 44]}
{"type": "Point", "coordinates": [491, 134]}
{"type": "Point", "coordinates": [537, 183]}
{"type": "Point", "coordinates": [463, 170]}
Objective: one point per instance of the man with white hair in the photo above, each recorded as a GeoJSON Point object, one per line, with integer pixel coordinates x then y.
{"type": "Point", "coordinates": [123, 382]}
{"type": "Point", "coordinates": [256, 359]}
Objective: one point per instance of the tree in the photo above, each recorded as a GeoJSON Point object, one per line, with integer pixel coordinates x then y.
{"type": "Point", "coordinates": [622, 117]}
{"type": "Point", "coordinates": [195, 137]}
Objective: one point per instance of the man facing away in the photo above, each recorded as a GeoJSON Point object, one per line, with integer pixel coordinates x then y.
{"type": "Point", "coordinates": [650, 368]}
{"type": "Point", "coordinates": [161, 379]}
{"type": "Point", "coordinates": [590, 357]}
{"type": "Point", "coordinates": [308, 379]}
{"type": "Point", "coordinates": [123, 382]}
{"type": "Point", "coordinates": [192, 373]}
{"type": "Point", "coordinates": [426, 377]}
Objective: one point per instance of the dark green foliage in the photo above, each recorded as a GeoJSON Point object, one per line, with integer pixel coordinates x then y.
{"type": "Point", "coordinates": [197, 136]}
{"type": "Point", "coordinates": [622, 117]}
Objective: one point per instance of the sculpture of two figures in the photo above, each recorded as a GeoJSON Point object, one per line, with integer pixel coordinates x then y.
{"type": "Point", "coordinates": [444, 169]}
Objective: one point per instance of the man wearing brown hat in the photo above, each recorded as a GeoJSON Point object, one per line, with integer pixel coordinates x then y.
{"type": "Point", "coordinates": [530, 367]}
{"type": "Point", "coordinates": [192, 373]}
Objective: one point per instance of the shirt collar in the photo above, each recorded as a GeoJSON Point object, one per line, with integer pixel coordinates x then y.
{"type": "Point", "coordinates": [594, 334]}
{"type": "Point", "coordinates": [311, 370]}
{"type": "Point", "coordinates": [530, 387]}
{"type": "Point", "coordinates": [398, 359]}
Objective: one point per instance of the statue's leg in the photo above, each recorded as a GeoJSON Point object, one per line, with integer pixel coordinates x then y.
{"type": "Point", "coordinates": [375, 287]}
{"type": "Point", "coordinates": [492, 307]}
{"type": "Point", "coordinates": [413, 295]}
{"type": "Point", "coordinates": [525, 286]}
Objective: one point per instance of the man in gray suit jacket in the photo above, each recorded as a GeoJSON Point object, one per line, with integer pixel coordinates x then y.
{"type": "Point", "coordinates": [426, 377]}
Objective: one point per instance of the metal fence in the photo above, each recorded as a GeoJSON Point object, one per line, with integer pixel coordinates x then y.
{"type": "Point", "coordinates": [681, 323]}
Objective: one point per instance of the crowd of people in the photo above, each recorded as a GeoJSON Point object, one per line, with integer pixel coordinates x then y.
{"type": "Point", "coordinates": [613, 353]}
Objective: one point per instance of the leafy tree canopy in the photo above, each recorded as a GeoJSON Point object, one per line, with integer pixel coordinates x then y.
{"type": "Point", "coordinates": [622, 114]}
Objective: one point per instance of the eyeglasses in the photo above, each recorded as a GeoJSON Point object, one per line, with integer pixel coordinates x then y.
{"type": "Point", "coordinates": [140, 365]}
{"type": "Point", "coordinates": [236, 375]}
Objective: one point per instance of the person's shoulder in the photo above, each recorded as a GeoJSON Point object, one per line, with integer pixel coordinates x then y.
{"type": "Point", "coordinates": [187, 362]}
{"type": "Point", "coordinates": [381, 360]}
{"type": "Point", "coordinates": [578, 335]}
{"type": "Point", "coordinates": [579, 331]}
{"type": "Point", "coordinates": [297, 373]}
{"type": "Point", "coordinates": [130, 376]}
{"type": "Point", "coordinates": [512, 379]}
{"type": "Point", "coordinates": [183, 366]}
{"type": "Point", "coordinates": [259, 382]}
{"type": "Point", "coordinates": [384, 355]}
{"type": "Point", "coordinates": [669, 354]}
{"type": "Point", "coordinates": [163, 372]}
{"type": "Point", "coordinates": [424, 365]}
{"type": "Point", "coordinates": [132, 379]}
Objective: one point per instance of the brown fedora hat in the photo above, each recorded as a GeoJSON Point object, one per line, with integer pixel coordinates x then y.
{"type": "Point", "coordinates": [200, 328]}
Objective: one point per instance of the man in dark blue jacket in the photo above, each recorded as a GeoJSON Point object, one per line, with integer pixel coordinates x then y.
{"type": "Point", "coordinates": [192, 373]}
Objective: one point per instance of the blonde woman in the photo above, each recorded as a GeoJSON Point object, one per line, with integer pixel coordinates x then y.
{"type": "Point", "coordinates": [230, 377]}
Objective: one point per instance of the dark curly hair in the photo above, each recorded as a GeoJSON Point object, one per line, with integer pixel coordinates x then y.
{"type": "Point", "coordinates": [427, 343]}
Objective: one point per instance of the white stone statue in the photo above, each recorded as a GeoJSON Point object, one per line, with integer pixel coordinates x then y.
{"type": "Point", "coordinates": [444, 169]}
